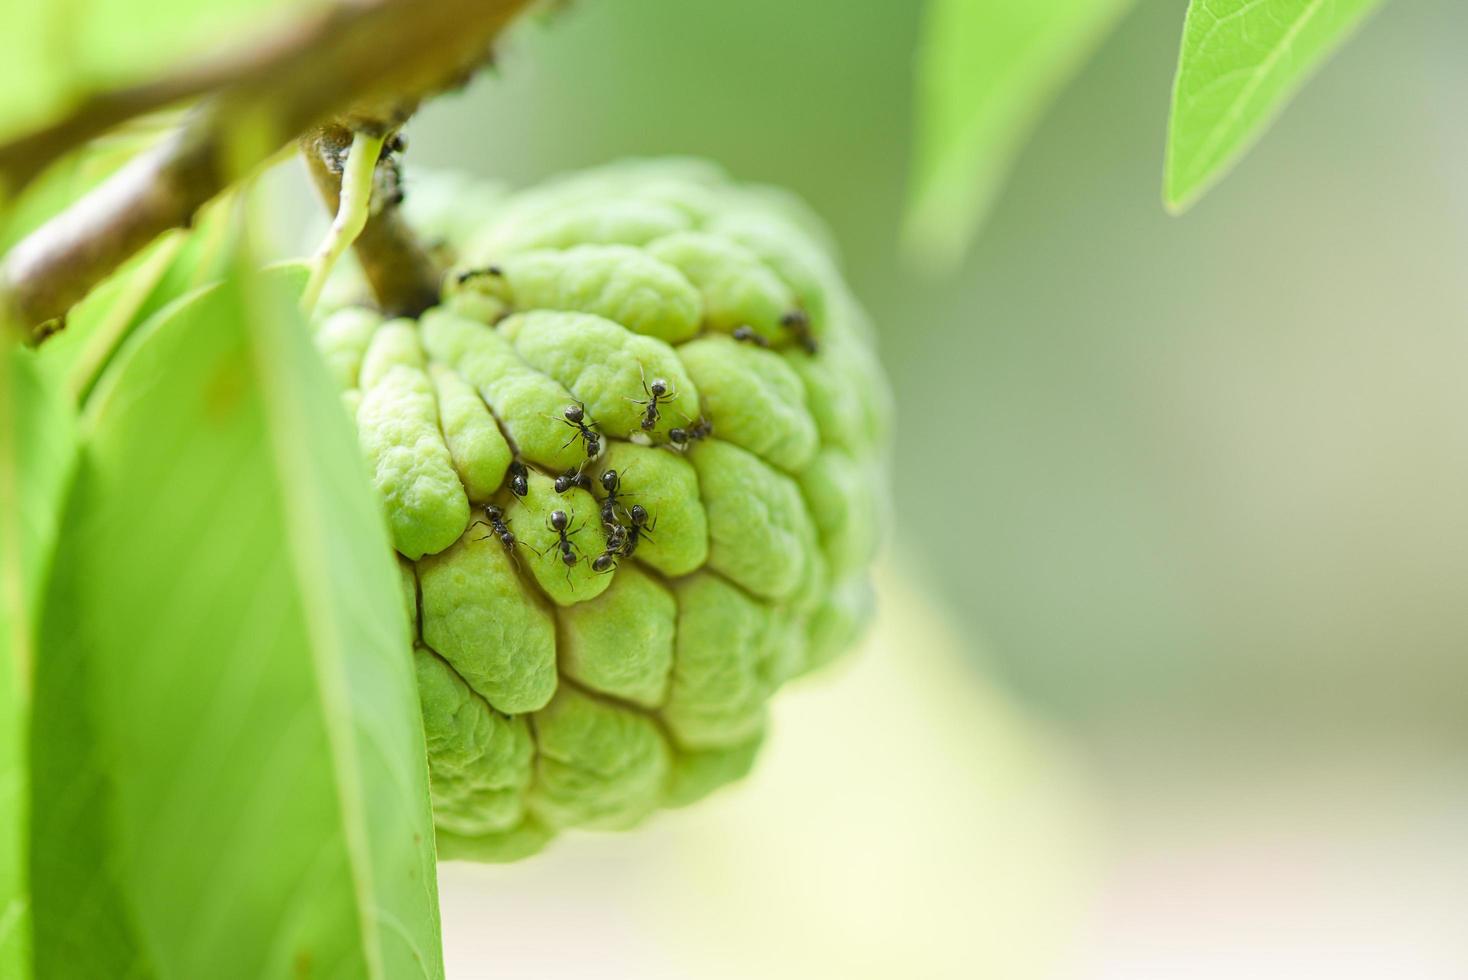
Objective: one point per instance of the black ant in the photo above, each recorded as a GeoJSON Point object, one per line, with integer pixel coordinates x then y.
{"type": "Point", "coordinates": [559, 522]}
{"type": "Point", "coordinates": [693, 432]}
{"type": "Point", "coordinates": [470, 274]}
{"type": "Point", "coordinates": [519, 479]}
{"type": "Point", "coordinates": [611, 482]}
{"type": "Point", "coordinates": [636, 529]}
{"type": "Point", "coordinates": [746, 334]}
{"type": "Point", "coordinates": [798, 323]}
{"type": "Point", "coordinates": [572, 478]}
{"type": "Point", "coordinates": [616, 538]}
{"type": "Point", "coordinates": [658, 390]}
{"type": "Point", "coordinates": [616, 541]}
{"type": "Point", "coordinates": [499, 526]}
{"type": "Point", "coordinates": [575, 417]}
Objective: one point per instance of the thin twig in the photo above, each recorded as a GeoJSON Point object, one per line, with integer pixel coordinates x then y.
{"type": "Point", "coordinates": [363, 64]}
{"type": "Point", "coordinates": [54, 267]}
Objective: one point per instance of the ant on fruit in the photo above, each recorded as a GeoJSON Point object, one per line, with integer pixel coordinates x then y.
{"type": "Point", "coordinates": [575, 417]}
{"type": "Point", "coordinates": [616, 538]}
{"type": "Point", "coordinates": [682, 436]}
{"type": "Point", "coordinates": [638, 527]}
{"type": "Point", "coordinates": [798, 323]}
{"type": "Point", "coordinates": [611, 482]}
{"type": "Point", "coordinates": [658, 390]}
{"type": "Point", "coordinates": [499, 527]}
{"type": "Point", "coordinates": [519, 479]}
{"type": "Point", "coordinates": [572, 478]}
{"type": "Point", "coordinates": [607, 560]}
{"type": "Point", "coordinates": [746, 334]}
{"type": "Point", "coordinates": [470, 274]}
{"type": "Point", "coordinates": [559, 522]}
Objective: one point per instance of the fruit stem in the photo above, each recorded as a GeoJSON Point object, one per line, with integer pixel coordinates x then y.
{"type": "Point", "coordinates": [353, 205]}
{"type": "Point", "coordinates": [403, 276]}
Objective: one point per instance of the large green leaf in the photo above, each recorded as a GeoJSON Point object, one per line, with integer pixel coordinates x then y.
{"type": "Point", "coordinates": [986, 71]}
{"type": "Point", "coordinates": [37, 455]}
{"type": "Point", "coordinates": [230, 775]}
{"type": "Point", "coordinates": [1241, 61]}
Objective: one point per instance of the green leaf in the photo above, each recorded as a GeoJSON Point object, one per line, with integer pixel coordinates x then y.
{"type": "Point", "coordinates": [1241, 62]}
{"type": "Point", "coordinates": [986, 71]}
{"type": "Point", "coordinates": [176, 264]}
{"type": "Point", "coordinates": [230, 775]}
{"type": "Point", "coordinates": [37, 457]}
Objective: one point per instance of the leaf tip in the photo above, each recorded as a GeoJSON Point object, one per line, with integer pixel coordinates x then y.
{"type": "Point", "coordinates": [931, 245]}
{"type": "Point", "coordinates": [1176, 201]}
{"type": "Point", "coordinates": [1183, 183]}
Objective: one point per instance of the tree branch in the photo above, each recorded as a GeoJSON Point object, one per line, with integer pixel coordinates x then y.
{"type": "Point", "coordinates": [362, 64]}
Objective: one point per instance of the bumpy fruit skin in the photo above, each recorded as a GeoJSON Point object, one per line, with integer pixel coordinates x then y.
{"type": "Point", "coordinates": [555, 695]}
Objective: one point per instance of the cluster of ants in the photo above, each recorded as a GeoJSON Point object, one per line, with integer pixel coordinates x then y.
{"type": "Point", "coordinates": [796, 321]}
{"type": "Point", "coordinates": [659, 393]}
{"type": "Point", "coordinates": [625, 527]}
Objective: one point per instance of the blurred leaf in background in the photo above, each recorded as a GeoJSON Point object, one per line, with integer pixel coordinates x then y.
{"type": "Point", "coordinates": [37, 458]}
{"type": "Point", "coordinates": [986, 71]}
{"type": "Point", "coordinates": [228, 760]}
{"type": "Point", "coordinates": [1241, 61]}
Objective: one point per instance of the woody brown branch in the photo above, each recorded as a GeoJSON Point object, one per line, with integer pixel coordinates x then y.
{"type": "Point", "coordinates": [359, 65]}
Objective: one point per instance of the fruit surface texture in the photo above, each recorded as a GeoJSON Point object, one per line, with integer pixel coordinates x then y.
{"type": "Point", "coordinates": [634, 469]}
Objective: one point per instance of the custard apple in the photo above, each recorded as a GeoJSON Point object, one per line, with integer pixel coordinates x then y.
{"type": "Point", "coordinates": [633, 467]}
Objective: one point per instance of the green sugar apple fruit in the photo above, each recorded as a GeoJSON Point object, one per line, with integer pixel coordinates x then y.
{"type": "Point", "coordinates": [633, 469]}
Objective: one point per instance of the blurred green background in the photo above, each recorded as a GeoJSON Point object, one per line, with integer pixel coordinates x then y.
{"type": "Point", "coordinates": [1191, 492]}
{"type": "Point", "coordinates": [1171, 469]}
